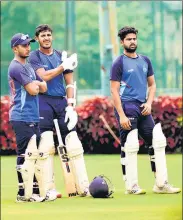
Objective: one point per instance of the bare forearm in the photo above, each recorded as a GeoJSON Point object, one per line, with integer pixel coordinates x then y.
{"type": "Point", "coordinates": [151, 94]}
{"type": "Point", "coordinates": [70, 94]}
{"type": "Point", "coordinates": [50, 74]}
{"type": "Point", "coordinates": [42, 86]}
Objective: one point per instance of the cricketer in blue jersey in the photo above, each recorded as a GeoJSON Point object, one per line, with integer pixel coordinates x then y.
{"type": "Point", "coordinates": [58, 102]}
{"type": "Point", "coordinates": [24, 85]}
{"type": "Point", "coordinates": [133, 89]}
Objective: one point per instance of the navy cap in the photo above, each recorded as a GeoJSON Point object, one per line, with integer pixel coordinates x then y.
{"type": "Point", "coordinates": [21, 39]}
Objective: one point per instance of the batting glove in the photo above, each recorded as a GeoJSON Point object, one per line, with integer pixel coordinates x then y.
{"type": "Point", "coordinates": [64, 55]}
{"type": "Point", "coordinates": [72, 116]}
{"type": "Point", "coordinates": [70, 63]}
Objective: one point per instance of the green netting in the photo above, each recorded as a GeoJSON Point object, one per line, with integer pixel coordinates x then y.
{"type": "Point", "coordinates": [159, 24]}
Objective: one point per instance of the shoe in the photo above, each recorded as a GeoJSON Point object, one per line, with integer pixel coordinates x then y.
{"type": "Point", "coordinates": [50, 196]}
{"type": "Point", "coordinates": [86, 193]}
{"type": "Point", "coordinates": [136, 190]}
{"type": "Point", "coordinates": [33, 198]}
{"type": "Point", "coordinates": [21, 199]}
{"type": "Point", "coordinates": [166, 189]}
{"type": "Point", "coordinates": [58, 194]}
{"type": "Point", "coordinates": [36, 198]}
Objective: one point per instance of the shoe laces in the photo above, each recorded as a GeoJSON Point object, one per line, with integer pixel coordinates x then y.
{"type": "Point", "coordinates": [168, 185]}
{"type": "Point", "coordinates": [135, 188]}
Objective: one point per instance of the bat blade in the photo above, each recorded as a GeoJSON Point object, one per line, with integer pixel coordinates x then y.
{"type": "Point", "coordinates": [69, 179]}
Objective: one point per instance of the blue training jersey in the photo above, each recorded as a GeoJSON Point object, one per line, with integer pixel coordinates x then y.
{"type": "Point", "coordinates": [24, 107]}
{"type": "Point", "coordinates": [40, 60]}
{"type": "Point", "coordinates": [132, 73]}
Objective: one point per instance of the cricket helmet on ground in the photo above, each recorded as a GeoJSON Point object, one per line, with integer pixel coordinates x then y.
{"type": "Point", "coordinates": [101, 187]}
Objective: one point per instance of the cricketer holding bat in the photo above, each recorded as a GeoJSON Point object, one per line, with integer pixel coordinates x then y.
{"type": "Point", "coordinates": [131, 75]}
{"type": "Point", "coordinates": [24, 115]}
{"type": "Point", "coordinates": [58, 102]}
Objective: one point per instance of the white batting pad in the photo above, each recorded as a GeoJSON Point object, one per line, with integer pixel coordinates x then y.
{"type": "Point", "coordinates": [159, 145]}
{"type": "Point", "coordinates": [44, 166]}
{"type": "Point", "coordinates": [27, 169]}
{"type": "Point", "coordinates": [131, 148]}
{"type": "Point", "coordinates": [75, 153]}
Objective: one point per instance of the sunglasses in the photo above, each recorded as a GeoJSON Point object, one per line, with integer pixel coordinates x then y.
{"type": "Point", "coordinates": [23, 37]}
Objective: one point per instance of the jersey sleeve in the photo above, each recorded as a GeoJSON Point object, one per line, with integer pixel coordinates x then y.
{"type": "Point", "coordinates": [150, 68]}
{"type": "Point", "coordinates": [38, 77]}
{"type": "Point", "coordinates": [20, 74]}
{"type": "Point", "coordinates": [35, 61]}
{"type": "Point", "coordinates": [116, 70]}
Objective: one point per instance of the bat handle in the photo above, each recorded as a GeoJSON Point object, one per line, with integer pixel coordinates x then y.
{"type": "Point", "coordinates": [58, 132]}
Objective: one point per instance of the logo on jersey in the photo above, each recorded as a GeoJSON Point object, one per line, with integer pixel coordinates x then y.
{"type": "Point", "coordinates": [144, 69]}
{"type": "Point", "coordinates": [130, 71]}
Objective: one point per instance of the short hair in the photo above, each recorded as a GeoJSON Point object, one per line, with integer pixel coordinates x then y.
{"type": "Point", "coordinates": [42, 27]}
{"type": "Point", "coordinates": [126, 30]}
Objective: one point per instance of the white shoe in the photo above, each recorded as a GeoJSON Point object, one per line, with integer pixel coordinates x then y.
{"type": "Point", "coordinates": [136, 190]}
{"type": "Point", "coordinates": [33, 198]}
{"type": "Point", "coordinates": [36, 198]}
{"type": "Point", "coordinates": [86, 193]}
{"type": "Point", "coordinates": [50, 196]}
{"type": "Point", "coordinates": [166, 189]}
{"type": "Point", "coordinates": [54, 191]}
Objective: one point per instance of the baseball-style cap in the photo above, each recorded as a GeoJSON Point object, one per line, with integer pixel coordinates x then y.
{"type": "Point", "coordinates": [21, 39]}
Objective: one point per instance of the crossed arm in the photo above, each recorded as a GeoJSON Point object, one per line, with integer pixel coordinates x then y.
{"type": "Point", "coordinates": [35, 87]}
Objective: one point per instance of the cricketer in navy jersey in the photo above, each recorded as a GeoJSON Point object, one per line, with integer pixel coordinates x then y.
{"type": "Point", "coordinates": [24, 115]}
{"type": "Point", "coordinates": [56, 69]}
{"type": "Point", "coordinates": [131, 77]}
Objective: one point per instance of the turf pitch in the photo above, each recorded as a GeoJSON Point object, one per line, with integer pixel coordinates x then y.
{"type": "Point", "coordinates": [122, 207]}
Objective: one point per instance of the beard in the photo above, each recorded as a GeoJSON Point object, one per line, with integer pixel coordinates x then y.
{"type": "Point", "coordinates": [130, 50]}
{"type": "Point", "coordinates": [46, 47]}
{"type": "Point", "coordinates": [23, 57]}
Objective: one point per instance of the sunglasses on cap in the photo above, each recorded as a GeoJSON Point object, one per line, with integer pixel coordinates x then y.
{"type": "Point", "coordinates": [23, 37]}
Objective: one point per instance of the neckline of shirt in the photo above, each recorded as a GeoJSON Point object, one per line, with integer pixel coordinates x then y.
{"type": "Point", "coordinates": [47, 54]}
{"type": "Point", "coordinates": [20, 62]}
{"type": "Point", "coordinates": [131, 57]}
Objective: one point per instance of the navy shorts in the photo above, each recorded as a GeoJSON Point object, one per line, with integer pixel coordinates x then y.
{"type": "Point", "coordinates": [50, 108]}
{"type": "Point", "coordinates": [23, 132]}
{"type": "Point", "coordinates": [144, 124]}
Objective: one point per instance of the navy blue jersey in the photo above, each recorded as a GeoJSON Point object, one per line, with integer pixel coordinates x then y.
{"type": "Point", "coordinates": [40, 60]}
{"type": "Point", "coordinates": [24, 107]}
{"type": "Point", "coordinates": [132, 73]}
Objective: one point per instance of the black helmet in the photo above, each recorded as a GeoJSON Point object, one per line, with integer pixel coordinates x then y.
{"type": "Point", "coordinates": [101, 187]}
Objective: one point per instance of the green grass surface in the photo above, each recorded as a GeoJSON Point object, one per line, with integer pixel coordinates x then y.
{"type": "Point", "coordinates": [121, 207]}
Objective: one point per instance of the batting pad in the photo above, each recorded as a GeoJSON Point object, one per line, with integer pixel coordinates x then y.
{"type": "Point", "coordinates": [44, 165]}
{"type": "Point", "coordinates": [131, 147]}
{"type": "Point", "coordinates": [75, 153]}
{"type": "Point", "coordinates": [27, 169]}
{"type": "Point", "coordinates": [159, 145]}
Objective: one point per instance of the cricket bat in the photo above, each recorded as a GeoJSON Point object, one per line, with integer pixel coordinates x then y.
{"type": "Point", "coordinates": [69, 179]}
